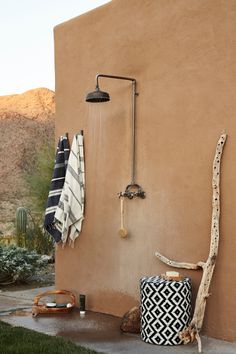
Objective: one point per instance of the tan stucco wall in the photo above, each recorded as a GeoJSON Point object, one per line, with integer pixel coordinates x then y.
{"type": "Point", "coordinates": [182, 54]}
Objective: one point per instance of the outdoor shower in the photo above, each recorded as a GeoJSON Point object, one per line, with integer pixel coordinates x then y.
{"type": "Point", "coordinates": [133, 189]}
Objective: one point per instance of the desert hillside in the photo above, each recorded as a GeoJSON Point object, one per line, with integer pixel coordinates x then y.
{"type": "Point", "coordinates": [26, 124]}
{"type": "Point", "coordinates": [32, 104]}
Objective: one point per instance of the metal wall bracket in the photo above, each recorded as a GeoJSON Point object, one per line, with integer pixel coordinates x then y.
{"type": "Point", "coordinates": [132, 191]}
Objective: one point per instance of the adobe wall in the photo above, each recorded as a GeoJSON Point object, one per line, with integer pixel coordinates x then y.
{"type": "Point", "coordinates": [182, 54]}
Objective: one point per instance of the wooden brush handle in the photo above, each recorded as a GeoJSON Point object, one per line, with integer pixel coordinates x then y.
{"type": "Point", "coordinates": [121, 212]}
{"type": "Point", "coordinates": [122, 232]}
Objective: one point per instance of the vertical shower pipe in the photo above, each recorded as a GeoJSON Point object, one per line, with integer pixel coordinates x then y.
{"type": "Point", "coordinates": [134, 94]}
{"type": "Point", "coordinates": [133, 130]}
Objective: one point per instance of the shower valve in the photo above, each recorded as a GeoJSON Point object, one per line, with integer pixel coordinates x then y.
{"type": "Point", "coordinates": [132, 191]}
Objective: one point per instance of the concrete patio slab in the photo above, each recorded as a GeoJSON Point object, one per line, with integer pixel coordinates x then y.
{"type": "Point", "coordinates": [13, 300]}
{"type": "Point", "coordinates": [25, 294]}
{"type": "Point", "coordinates": [97, 331]}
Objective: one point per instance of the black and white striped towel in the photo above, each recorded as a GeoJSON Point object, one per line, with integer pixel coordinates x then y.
{"type": "Point", "coordinates": [70, 211]}
{"type": "Point", "coordinates": [57, 183]}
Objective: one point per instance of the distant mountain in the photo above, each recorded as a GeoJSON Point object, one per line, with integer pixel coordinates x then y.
{"type": "Point", "coordinates": [26, 123]}
{"type": "Point", "coordinates": [33, 104]}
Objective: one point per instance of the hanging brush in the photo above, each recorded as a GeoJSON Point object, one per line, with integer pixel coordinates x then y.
{"type": "Point", "coordinates": [122, 232]}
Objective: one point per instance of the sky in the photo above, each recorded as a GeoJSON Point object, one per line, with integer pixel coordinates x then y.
{"type": "Point", "coordinates": [26, 40]}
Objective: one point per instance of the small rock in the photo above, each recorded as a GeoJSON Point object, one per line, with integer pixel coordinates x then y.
{"type": "Point", "coordinates": [131, 321]}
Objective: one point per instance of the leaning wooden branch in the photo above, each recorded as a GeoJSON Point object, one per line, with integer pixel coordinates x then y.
{"type": "Point", "coordinates": [179, 264]}
{"type": "Point", "coordinates": [192, 331]}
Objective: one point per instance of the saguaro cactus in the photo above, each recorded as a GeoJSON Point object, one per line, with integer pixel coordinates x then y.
{"type": "Point", "coordinates": [21, 224]}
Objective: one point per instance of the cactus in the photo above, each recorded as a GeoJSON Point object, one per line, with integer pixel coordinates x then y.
{"type": "Point", "coordinates": [21, 225]}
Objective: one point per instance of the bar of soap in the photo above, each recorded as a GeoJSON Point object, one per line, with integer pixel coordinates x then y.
{"type": "Point", "coordinates": [61, 306]}
{"type": "Point", "coordinates": [172, 274]}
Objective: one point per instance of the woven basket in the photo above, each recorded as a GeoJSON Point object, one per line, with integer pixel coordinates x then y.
{"type": "Point", "coordinates": [43, 309]}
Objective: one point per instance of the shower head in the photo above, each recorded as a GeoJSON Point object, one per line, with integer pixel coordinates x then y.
{"type": "Point", "coordinates": [97, 96]}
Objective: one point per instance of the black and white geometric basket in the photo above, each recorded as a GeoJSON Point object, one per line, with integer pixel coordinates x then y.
{"type": "Point", "coordinates": [165, 309]}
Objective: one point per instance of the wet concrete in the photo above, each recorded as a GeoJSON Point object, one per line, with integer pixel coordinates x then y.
{"type": "Point", "coordinates": [25, 294]}
{"type": "Point", "coordinates": [13, 300]}
{"type": "Point", "coordinates": [98, 331]}
{"type": "Point", "coordinates": [20, 313]}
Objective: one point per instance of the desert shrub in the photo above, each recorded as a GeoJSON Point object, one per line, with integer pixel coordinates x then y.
{"type": "Point", "coordinates": [39, 177]}
{"type": "Point", "coordinates": [36, 238]}
{"type": "Point", "coordinates": [18, 264]}
{"type": "Point", "coordinates": [29, 232]}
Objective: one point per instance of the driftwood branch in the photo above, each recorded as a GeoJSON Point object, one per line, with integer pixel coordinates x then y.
{"type": "Point", "coordinates": [178, 264]}
{"type": "Point", "coordinates": [191, 333]}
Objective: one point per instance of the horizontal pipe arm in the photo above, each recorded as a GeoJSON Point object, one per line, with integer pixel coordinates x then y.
{"type": "Point", "coordinates": [114, 77]}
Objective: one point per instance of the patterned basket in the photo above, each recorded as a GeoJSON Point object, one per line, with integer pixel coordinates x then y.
{"type": "Point", "coordinates": [165, 309]}
{"type": "Point", "coordinates": [43, 309]}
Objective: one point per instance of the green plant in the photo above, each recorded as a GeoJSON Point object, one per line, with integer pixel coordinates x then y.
{"type": "Point", "coordinates": [30, 233]}
{"type": "Point", "coordinates": [21, 225]}
{"type": "Point", "coordinates": [18, 340]}
{"type": "Point", "coordinates": [18, 264]}
{"type": "Point", "coordinates": [36, 237]}
{"type": "Point", "coordinates": [39, 177]}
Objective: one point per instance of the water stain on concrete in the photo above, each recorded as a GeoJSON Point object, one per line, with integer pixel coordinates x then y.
{"type": "Point", "coordinates": [95, 327]}
{"type": "Point", "coordinates": [20, 313]}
